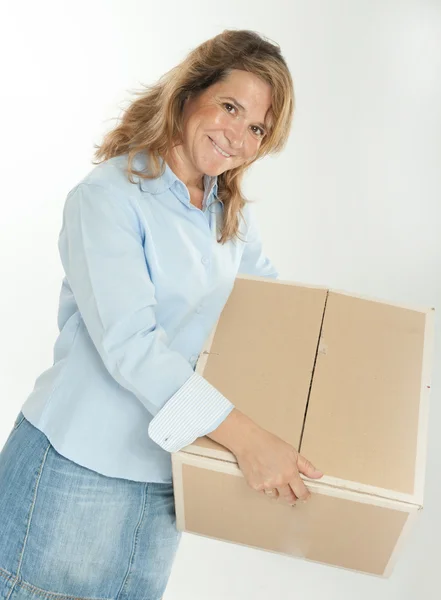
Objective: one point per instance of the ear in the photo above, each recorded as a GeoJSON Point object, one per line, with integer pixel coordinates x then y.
{"type": "Point", "coordinates": [188, 96]}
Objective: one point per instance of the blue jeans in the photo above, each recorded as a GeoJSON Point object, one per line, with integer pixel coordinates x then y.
{"type": "Point", "coordinates": [67, 532]}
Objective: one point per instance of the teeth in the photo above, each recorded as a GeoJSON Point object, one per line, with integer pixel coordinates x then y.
{"type": "Point", "coordinates": [220, 149]}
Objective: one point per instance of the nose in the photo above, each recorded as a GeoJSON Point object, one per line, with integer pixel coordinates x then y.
{"type": "Point", "coordinates": [235, 135]}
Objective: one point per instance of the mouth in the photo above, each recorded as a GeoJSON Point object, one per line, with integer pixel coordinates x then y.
{"type": "Point", "coordinates": [219, 149]}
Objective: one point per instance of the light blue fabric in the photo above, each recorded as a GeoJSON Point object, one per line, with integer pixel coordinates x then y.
{"type": "Point", "coordinates": [146, 281]}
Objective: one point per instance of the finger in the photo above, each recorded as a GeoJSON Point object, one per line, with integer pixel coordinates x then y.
{"type": "Point", "coordinates": [299, 488]}
{"type": "Point", "coordinates": [287, 495]}
{"type": "Point", "coordinates": [307, 468]}
{"type": "Point", "coordinates": [273, 495]}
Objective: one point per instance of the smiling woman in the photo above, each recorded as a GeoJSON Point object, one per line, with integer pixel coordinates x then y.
{"type": "Point", "coordinates": [86, 494]}
{"type": "Point", "coordinates": [219, 132]}
{"type": "Point", "coordinates": [229, 103]}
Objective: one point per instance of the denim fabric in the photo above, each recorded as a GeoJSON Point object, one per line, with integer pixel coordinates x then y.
{"type": "Point", "coordinates": [70, 532]}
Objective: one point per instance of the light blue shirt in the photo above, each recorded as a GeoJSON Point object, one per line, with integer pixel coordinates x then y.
{"type": "Point", "coordinates": [145, 282]}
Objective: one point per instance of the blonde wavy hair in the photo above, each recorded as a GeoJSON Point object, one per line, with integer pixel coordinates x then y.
{"type": "Point", "coordinates": [153, 122]}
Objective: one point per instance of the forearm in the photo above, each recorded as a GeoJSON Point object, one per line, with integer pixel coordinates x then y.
{"type": "Point", "coordinates": [234, 432]}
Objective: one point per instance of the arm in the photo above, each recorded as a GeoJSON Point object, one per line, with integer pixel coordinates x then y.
{"type": "Point", "coordinates": [254, 260]}
{"type": "Point", "coordinates": [103, 257]}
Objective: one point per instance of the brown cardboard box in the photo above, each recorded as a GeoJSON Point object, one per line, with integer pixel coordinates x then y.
{"type": "Point", "coordinates": [346, 381]}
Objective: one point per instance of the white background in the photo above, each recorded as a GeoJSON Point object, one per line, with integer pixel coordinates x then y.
{"type": "Point", "coordinates": [352, 203]}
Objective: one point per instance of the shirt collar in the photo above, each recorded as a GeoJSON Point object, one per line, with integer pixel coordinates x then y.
{"type": "Point", "coordinates": [165, 182]}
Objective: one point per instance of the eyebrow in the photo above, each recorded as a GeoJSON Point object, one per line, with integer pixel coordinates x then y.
{"type": "Point", "coordinates": [261, 125]}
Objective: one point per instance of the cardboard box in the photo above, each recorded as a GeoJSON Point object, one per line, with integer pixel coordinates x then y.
{"type": "Point", "coordinates": [346, 381]}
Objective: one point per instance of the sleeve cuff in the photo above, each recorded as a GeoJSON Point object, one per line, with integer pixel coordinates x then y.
{"type": "Point", "coordinates": [196, 409]}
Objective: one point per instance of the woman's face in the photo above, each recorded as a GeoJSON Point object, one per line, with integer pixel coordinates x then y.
{"type": "Point", "coordinates": [225, 124]}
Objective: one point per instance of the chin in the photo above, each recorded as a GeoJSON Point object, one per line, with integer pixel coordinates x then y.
{"type": "Point", "coordinates": [214, 170]}
{"type": "Point", "coordinates": [209, 168]}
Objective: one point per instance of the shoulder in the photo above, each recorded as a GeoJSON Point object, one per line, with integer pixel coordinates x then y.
{"type": "Point", "coordinates": [107, 185]}
{"type": "Point", "coordinates": [106, 194]}
{"type": "Point", "coordinates": [111, 175]}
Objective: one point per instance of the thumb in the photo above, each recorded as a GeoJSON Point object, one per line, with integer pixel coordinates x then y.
{"type": "Point", "coordinates": [307, 468]}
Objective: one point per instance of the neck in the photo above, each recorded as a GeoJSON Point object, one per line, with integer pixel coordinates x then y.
{"type": "Point", "coordinates": [179, 165]}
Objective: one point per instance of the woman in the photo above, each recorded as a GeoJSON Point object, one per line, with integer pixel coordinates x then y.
{"type": "Point", "coordinates": [151, 242]}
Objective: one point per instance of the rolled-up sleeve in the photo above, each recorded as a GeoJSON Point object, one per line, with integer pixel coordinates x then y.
{"type": "Point", "coordinates": [254, 261]}
{"type": "Point", "coordinates": [101, 249]}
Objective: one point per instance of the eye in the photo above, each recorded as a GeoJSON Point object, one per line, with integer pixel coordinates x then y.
{"type": "Point", "coordinates": [259, 132]}
{"type": "Point", "coordinates": [228, 106]}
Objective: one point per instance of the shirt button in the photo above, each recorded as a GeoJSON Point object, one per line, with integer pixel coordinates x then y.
{"type": "Point", "coordinates": [199, 310]}
{"type": "Point", "coordinates": [205, 260]}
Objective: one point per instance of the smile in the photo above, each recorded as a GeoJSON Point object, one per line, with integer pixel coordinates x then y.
{"type": "Point", "coordinates": [219, 149]}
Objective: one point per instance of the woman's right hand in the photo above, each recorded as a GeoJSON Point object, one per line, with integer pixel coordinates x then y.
{"type": "Point", "coordinates": [270, 464]}
{"type": "Point", "coordinates": [267, 462]}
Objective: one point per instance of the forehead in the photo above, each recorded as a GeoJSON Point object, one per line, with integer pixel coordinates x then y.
{"type": "Point", "coordinates": [248, 89]}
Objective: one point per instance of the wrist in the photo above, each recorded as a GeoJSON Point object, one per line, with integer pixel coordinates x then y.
{"type": "Point", "coordinates": [233, 432]}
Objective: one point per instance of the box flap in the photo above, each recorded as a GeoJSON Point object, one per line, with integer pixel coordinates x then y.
{"type": "Point", "coordinates": [362, 419]}
{"type": "Point", "coordinates": [261, 355]}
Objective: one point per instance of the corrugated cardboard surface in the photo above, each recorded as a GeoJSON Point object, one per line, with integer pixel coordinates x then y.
{"type": "Point", "coordinates": [341, 378]}
{"type": "Point", "coordinates": [326, 529]}
{"type": "Point", "coordinates": [358, 385]}
{"type": "Point", "coordinates": [362, 419]}
{"type": "Point", "coordinates": [263, 351]}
